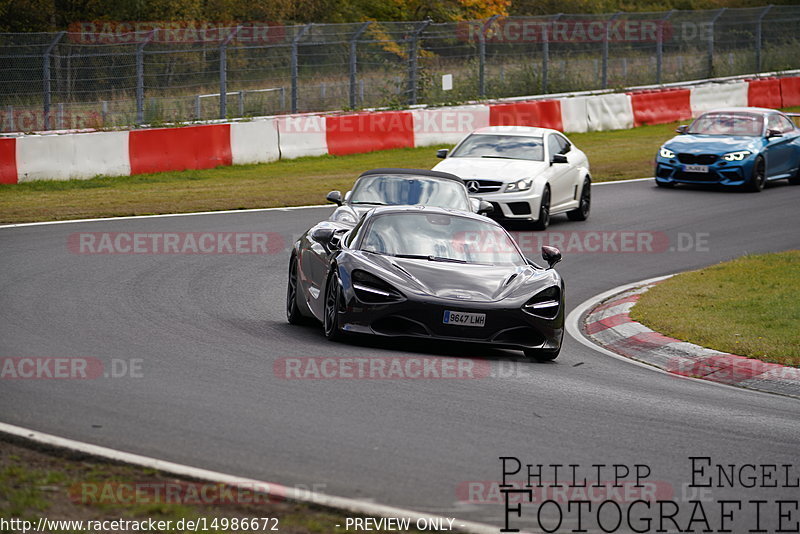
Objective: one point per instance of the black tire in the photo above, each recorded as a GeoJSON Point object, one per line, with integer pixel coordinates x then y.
{"type": "Point", "coordinates": [540, 355]}
{"type": "Point", "coordinates": [581, 213]}
{"type": "Point", "coordinates": [293, 314]}
{"type": "Point", "coordinates": [544, 211]}
{"type": "Point", "coordinates": [759, 176]}
{"type": "Point", "coordinates": [666, 185]}
{"type": "Point", "coordinates": [333, 301]}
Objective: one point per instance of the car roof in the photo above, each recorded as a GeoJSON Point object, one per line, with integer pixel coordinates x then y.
{"type": "Point", "coordinates": [757, 111]}
{"type": "Point", "coordinates": [414, 172]}
{"type": "Point", "coordinates": [523, 131]}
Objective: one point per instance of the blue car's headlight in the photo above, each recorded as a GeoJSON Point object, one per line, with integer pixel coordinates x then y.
{"type": "Point", "coordinates": [736, 156]}
{"type": "Point", "coordinates": [666, 153]}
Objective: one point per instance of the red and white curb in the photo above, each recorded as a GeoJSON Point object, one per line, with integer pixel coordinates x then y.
{"type": "Point", "coordinates": [607, 323]}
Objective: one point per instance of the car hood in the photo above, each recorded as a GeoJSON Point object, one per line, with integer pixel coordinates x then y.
{"type": "Point", "coordinates": [464, 282]}
{"type": "Point", "coordinates": [711, 144]}
{"type": "Point", "coordinates": [506, 170]}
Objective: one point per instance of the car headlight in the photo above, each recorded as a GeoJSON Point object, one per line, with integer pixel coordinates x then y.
{"type": "Point", "coordinates": [666, 153]}
{"type": "Point", "coordinates": [519, 185]}
{"type": "Point", "coordinates": [344, 216]}
{"type": "Point", "coordinates": [736, 156]}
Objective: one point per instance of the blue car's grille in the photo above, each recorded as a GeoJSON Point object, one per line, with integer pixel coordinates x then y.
{"type": "Point", "coordinates": [697, 159]}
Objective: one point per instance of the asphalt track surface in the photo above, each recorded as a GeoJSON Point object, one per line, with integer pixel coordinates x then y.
{"type": "Point", "coordinates": [208, 328]}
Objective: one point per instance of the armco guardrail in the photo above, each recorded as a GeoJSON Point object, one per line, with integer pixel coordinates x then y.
{"type": "Point", "coordinates": [85, 155]}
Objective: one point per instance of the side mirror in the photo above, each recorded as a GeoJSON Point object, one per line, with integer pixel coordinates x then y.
{"type": "Point", "coordinates": [559, 158]}
{"type": "Point", "coordinates": [485, 207]}
{"type": "Point", "coordinates": [335, 197]}
{"type": "Point", "coordinates": [551, 255]}
{"type": "Point", "coordinates": [442, 153]}
{"type": "Point", "coordinates": [682, 129]}
{"type": "Point", "coordinates": [773, 133]}
{"type": "Point", "coordinates": [323, 235]}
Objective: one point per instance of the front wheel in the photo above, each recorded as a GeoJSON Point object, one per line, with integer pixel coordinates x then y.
{"type": "Point", "coordinates": [333, 299]}
{"type": "Point", "coordinates": [759, 176]}
{"type": "Point", "coordinates": [544, 211]}
{"type": "Point", "coordinates": [540, 355]}
{"type": "Point", "coordinates": [581, 213]}
{"type": "Point", "coordinates": [292, 311]}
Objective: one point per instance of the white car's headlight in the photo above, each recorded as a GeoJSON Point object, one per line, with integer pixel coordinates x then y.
{"type": "Point", "coordinates": [666, 153]}
{"type": "Point", "coordinates": [736, 156]}
{"type": "Point", "coordinates": [344, 216]}
{"type": "Point", "coordinates": [519, 185]}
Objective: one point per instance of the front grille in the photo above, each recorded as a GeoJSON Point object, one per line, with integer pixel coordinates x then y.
{"type": "Point", "coordinates": [484, 186]}
{"type": "Point", "coordinates": [696, 176]}
{"type": "Point", "coordinates": [697, 159]}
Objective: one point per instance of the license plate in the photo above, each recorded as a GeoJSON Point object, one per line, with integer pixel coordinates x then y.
{"type": "Point", "coordinates": [464, 318]}
{"type": "Point", "coordinates": [695, 168]}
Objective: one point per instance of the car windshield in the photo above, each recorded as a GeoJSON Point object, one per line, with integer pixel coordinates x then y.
{"type": "Point", "coordinates": [405, 189]}
{"type": "Point", "coordinates": [440, 237]}
{"type": "Point", "coordinates": [500, 146]}
{"type": "Point", "coordinates": [719, 123]}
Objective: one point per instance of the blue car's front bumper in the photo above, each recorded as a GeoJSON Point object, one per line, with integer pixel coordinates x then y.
{"type": "Point", "coordinates": [718, 170]}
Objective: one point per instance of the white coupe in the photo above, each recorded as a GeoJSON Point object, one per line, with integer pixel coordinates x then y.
{"type": "Point", "coordinates": [528, 174]}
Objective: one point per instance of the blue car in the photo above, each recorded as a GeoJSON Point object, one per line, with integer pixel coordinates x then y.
{"type": "Point", "coordinates": [736, 147]}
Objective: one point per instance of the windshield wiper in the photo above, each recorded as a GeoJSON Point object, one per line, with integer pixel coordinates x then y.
{"type": "Point", "coordinates": [371, 203]}
{"type": "Point", "coordinates": [428, 257]}
{"type": "Point", "coordinates": [498, 157]}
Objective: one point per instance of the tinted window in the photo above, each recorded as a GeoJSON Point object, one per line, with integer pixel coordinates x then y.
{"type": "Point", "coordinates": [779, 123]}
{"type": "Point", "coordinates": [440, 236]}
{"type": "Point", "coordinates": [409, 190]}
{"type": "Point", "coordinates": [553, 146]}
{"type": "Point", "coordinates": [500, 146]}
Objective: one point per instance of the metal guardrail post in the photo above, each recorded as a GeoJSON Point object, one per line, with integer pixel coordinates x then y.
{"type": "Point", "coordinates": [546, 52]}
{"type": "Point", "coordinates": [295, 44]}
{"type": "Point", "coordinates": [140, 77]}
{"type": "Point", "coordinates": [482, 55]}
{"type": "Point", "coordinates": [660, 46]}
{"type": "Point", "coordinates": [605, 48]}
{"type": "Point", "coordinates": [48, 95]}
{"type": "Point", "coordinates": [717, 15]}
{"type": "Point", "coordinates": [223, 73]}
{"type": "Point", "coordinates": [412, 61]}
{"type": "Point", "coordinates": [759, 27]}
{"type": "Point", "coordinates": [354, 61]}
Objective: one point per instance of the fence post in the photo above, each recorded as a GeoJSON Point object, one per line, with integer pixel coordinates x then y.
{"type": "Point", "coordinates": [412, 62]}
{"type": "Point", "coordinates": [759, 34]}
{"type": "Point", "coordinates": [717, 15]}
{"type": "Point", "coordinates": [605, 48]}
{"type": "Point", "coordinates": [660, 46]}
{"type": "Point", "coordinates": [140, 77]}
{"type": "Point", "coordinates": [482, 56]}
{"type": "Point", "coordinates": [46, 78]}
{"type": "Point", "coordinates": [223, 73]}
{"type": "Point", "coordinates": [546, 52]}
{"type": "Point", "coordinates": [10, 115]}
{"type": "Point", "coordinates": [295, 44]}
{"type": "Point", "coordinates": [354, 61]}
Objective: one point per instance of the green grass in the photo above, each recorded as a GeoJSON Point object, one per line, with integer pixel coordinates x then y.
{"type": "Point", "coordinates": [613, 155]}
{"type": "Point", "coordinates": [36, 483]}
{"type": "Point", "coordinates": [748, 306]}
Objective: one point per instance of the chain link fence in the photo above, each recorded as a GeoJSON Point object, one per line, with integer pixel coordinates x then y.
{"type": "Point", "coordinates": [105, 75]}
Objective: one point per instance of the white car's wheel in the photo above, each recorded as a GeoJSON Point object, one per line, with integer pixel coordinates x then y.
{"type": "Point", "coordinates": [581, 213]}
{"type": "Point", "coordinates": [544, 211]}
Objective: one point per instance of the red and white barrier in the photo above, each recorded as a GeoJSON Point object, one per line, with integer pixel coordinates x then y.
{"type": "Point", "coordinates": [718, 95]}
{"type": "Point", "coordinates": [302, 135]}
{"type": "Point", "coordinates": [609, 112]}
{"type": "Point", "coordinates": [254, 142]}
{"type": "Point", "coordinates": [447, 125]}
{"type": "Point", "coordinates": [660, 107]}
{"type": "Point", "coordinates": [72, 156]}
{"type": "Point", "coordinates": [85, 155]}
